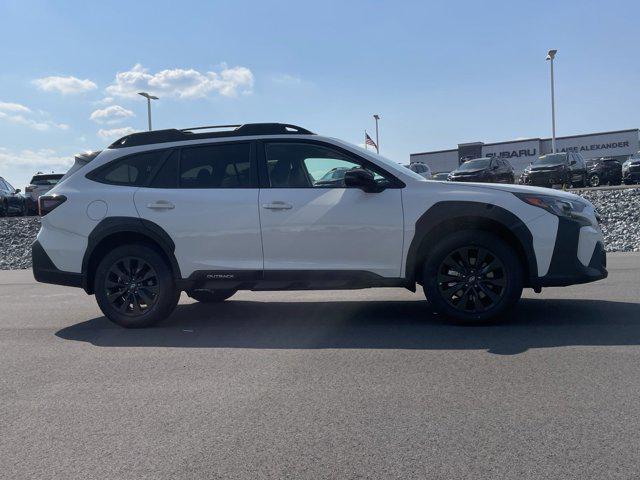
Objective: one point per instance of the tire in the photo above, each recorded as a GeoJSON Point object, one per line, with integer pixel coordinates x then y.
{"type": "Point", "coordinates": [210, 296]}
{"type": "Point", "coordinates": [485, 300]}
{"type": "Point", "coordinates": [594, 180]}
{"type": "Point", "coordinates": [4, 209]}
{"type": "Point", "coordinates": [148, 297]}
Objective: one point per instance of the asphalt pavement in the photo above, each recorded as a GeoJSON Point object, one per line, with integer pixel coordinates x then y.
{"type": "Point", "coordinates": [351, 384]}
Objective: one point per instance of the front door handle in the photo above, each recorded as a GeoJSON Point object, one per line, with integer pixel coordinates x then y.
{"type": "Point", "coordinates": [161, 205]}
{"type": "Point", "coordinates": [277, 206]}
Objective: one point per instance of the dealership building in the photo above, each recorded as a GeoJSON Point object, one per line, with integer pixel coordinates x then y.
{"type": "Point", "coordinates": [619, 144]}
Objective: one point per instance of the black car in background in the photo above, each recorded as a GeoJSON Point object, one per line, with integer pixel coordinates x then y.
{"type": "Point", "coordinates": [604, 170]}
{"type": "Point", "coordinates": [631, 169]}
{"type": "Point", "coordinates": [11, 201]}
{"type": "Point", "coordinates": [442, 176]}
{"type": "Point", "coordinates": [556, 170]}
{"type": "Point", "coordinates": [486, 169]}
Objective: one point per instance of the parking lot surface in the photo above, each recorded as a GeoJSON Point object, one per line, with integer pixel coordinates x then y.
{"type": "Point", "coordinates": [356, 384]}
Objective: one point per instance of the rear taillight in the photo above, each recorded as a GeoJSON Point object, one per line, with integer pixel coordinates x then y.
{"type": "Point", "coordinates": [48, 203]}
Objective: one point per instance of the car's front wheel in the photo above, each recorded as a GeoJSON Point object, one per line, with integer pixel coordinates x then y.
{"type": "Point", "coordinates": [594, 180]}
{"type": "Point", "coordinates": [134, 287]}
{"type": "Point", "coordinates": [210, 296]}
{"type": "Point", "coordinates": [472, 277]}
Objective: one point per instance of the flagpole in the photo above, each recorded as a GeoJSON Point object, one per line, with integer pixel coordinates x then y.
{"type": "Point", "coordinates": [377, 117]}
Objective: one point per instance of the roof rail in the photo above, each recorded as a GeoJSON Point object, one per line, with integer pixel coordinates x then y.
{"type": "Point", "coordinates": [175, 135]}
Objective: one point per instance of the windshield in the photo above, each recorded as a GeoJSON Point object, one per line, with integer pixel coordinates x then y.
{"type": "Point", "coordinates": [553, 159]}
{"type": "Point", "coordinates": [384, 162]}
{"type": "Point", "coordinates": [477, 164]}
{"type": "Point", "coordinates": [50, 180]}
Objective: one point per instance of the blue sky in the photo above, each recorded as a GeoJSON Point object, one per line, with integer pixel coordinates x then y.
{"type": "Point", "coordinates": [438, 73]}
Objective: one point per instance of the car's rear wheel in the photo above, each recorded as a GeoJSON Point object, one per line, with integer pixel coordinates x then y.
{"type": "Point", "coordinates": [594, 180]}
{"type": "Point", "coordinates": [210, 296]}
{"type": "Point", "coordinates": [472, 277]}
{"type": "Point", "coordinates": [134, 287]}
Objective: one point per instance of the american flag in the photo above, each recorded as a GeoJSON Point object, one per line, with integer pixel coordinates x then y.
{"type": "Point", "coordinates": [369, 141]}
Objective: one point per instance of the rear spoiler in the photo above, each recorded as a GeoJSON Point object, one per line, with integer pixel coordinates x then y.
{"type": "Point", "coordinates": [81, 160]}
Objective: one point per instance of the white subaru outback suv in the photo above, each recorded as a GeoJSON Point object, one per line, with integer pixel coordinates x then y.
{"type": "Point", "coordinates": [214, 212]}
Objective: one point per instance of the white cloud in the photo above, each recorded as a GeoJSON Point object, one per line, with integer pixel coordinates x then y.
{"type": "Point", "coordinates": [115, 133]}
{"type": "Point", "coordinates": [41, 125]}
{"type": "Point", "coordinates": [64, 85]}
{"type": "Point", "coordinates": [103, 102]}
{"type": "Point", "coordinates": [14, 107]}
{"type": "Point", "coordinates": [286, 79]}
{"type": "Point", "coordinates": [111, 114]}
{"type": "Point", "coordinates": [182, 83]}
{"type": "Point", "coordinates": [19, 166]}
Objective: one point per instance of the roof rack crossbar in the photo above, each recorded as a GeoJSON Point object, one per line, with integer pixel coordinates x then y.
{"type": "Point", "coordinates": [208, 127]}
{"type": "Point", "coordinates": [174, 135]}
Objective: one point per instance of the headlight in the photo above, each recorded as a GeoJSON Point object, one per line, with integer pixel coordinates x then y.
{"type": "Point", "coordinates": [555, 205]}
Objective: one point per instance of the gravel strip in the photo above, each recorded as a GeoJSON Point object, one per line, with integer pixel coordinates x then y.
{"type": "Point", "coordinates": [16, 236]}
{"type": "Point", "coordinates": [620, 213]}
{"type": "Point", "coordinates": [619, 209]}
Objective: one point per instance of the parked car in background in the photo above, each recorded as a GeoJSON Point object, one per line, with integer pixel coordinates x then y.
{"type": "Point", "coordinates": [12, 202]}
{"type": "Point", "coordinates": [40, 184]}
{"type": "Point", "coordinates": [486, 170]}
{"type": "Point", "coordinates": [421, 169]}
{"type": "Point", "coordinates": [631, 169]}
{"type": "Point", "coordinates": [604, 170]}
{"type": "Point", "coordinates": [442, 176]}
{"type": "Point", "coordinates": [556, 170]}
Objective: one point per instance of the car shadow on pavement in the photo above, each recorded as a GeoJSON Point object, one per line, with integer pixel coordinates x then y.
{"type": "Point", "coordinates": [536, 323]}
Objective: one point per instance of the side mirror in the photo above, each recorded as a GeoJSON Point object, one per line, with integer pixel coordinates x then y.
{"type": "Point", "coordinates": [18, 190]}
{"type": "Point", "coordinates": [572, 162]}
{"type": "Point", "coordinates": [362, 179]}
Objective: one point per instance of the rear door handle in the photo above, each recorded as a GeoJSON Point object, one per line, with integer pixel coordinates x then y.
{"type": "Point", "coordinates": [277, 206]}
{"type": "Point", "coordinates": [161, 205]}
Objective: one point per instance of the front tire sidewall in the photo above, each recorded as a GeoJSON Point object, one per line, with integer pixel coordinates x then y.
{"type": "Point", "coordinates": [168, 295]}
{"type": "Point", "coordinates": [499, 248]}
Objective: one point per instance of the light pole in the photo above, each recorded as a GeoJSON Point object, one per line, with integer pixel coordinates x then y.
{"type": "Point", "coordinates": [550, 56]}
{"type": "Point", "coordinates": [377, 117]}
{"type": "Point", "coordinates": [149, 98]}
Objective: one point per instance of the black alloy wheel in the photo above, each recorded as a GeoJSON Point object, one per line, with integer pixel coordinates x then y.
{"type": "Point", "coordinates": [594, 180]}
{"type": "Point", "coordinates": [135, 287]}
{"type": "Point", "coordinates": [132, 286]}
{"type": "Point", "coordinates": [472, 279]}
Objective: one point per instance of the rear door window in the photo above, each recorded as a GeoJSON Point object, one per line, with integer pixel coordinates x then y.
{"type": "Point", "coordinates": [217, 166]}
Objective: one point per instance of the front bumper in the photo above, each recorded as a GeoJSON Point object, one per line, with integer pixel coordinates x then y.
{"type": "Point", "coordinates": [468, 178]}
{"type": "Point", "coordinates": [46, 272]}
{"type": "Point", "coordinates": [545, 179]}
{"type": "Point", "coordinates": [631, 177]}
{"type": "Point", "coordinates": [578, 256]}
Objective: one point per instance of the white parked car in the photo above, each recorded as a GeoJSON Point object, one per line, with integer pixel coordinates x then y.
{"type": "Point", "coordinates": [40, 184]}
{"type": "Point", "coordinates": [421, 169]}
{"type": "Point", "coordinates": [211, 213]}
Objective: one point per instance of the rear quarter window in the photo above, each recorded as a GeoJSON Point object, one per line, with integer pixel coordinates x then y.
{"type": "Point", "coordinates": [133, 170]}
